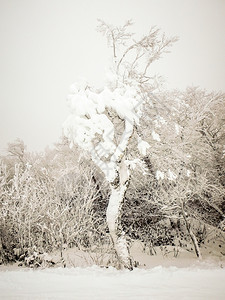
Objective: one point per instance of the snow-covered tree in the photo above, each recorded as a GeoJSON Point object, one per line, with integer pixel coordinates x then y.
{"type": "Point", "coordinates": [93, 126]}
{"type": "Point", "coordinates": [104, 122]}
{"type": "Point", "coordinates": [187, 164]}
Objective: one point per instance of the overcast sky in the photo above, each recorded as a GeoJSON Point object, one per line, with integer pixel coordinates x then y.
{"type": "Point", "coordinates": [45, 45]}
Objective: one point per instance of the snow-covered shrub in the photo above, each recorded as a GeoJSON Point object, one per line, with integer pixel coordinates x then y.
{"type": "Point", "coordinates": [43, 208]}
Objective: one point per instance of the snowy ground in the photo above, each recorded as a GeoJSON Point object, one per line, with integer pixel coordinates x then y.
{"type": "Point", "coordinates": [204, 282]}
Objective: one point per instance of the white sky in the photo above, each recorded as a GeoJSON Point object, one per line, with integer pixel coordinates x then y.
{"type": "Point", "coordinates": [46, 44]}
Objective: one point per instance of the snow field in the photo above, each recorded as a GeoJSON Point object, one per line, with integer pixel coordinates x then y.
{"type": "Point", "coordinates": [98, 283]}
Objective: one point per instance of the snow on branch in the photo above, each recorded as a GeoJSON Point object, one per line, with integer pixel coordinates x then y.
{"type": "Point", "coordinates": [90, 126]}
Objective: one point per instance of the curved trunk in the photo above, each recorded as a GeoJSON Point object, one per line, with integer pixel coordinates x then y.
{"type": "Point", "coordinates": [113, 215]}
{"type": "Point", "coordinates": [114, 223]}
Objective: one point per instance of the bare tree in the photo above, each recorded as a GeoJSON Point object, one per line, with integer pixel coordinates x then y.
{"type": "Point", "coordinates": [133, 57]}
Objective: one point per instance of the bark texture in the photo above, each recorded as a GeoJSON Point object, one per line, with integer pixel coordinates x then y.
{"type": "Point", "coordinates": [118, 190]}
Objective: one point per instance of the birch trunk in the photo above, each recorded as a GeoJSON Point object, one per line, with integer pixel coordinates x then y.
{"type": "Point", "coordinates": [118, 190]}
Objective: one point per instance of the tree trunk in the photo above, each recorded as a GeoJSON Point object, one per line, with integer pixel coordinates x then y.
{"type": "Point", "coordinates": [118, 190]}
{"type": "Point", "coordinates": [191, 233]}
{"type": "Point", "coordinates": [1, 251]}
